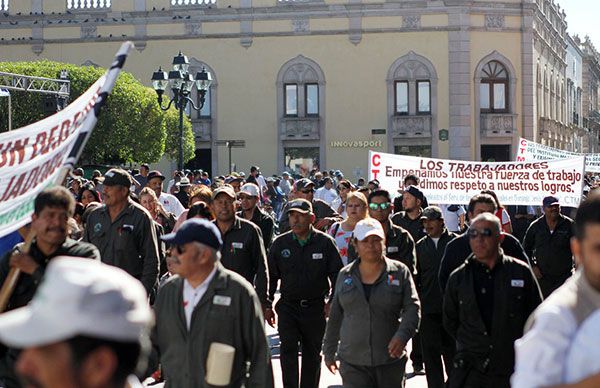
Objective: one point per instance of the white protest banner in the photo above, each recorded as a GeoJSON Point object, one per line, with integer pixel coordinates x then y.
{"type": "Point", "coordinates": [529, 151]}
{"type": "Point", "coordinates": [39, 155]}
{"type": "Point", "coordinates": [456, 181]}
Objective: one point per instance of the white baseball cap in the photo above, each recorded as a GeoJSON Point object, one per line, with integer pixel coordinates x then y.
{"type": "Point", "coordinates": [368, 227]}
{"type": "Point", "coordinates": [250, 189]}
{"type": "Point", "coordinates": [79, 297]}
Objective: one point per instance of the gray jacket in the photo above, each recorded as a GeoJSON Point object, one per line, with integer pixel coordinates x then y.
{"type": "Point", "coordinates": [229, 313]}
{"type": "Point", "coordinates": [360, 331]}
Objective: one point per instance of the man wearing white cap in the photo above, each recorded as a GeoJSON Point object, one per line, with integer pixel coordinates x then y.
{"type": "Point", "coordinates": [87, 326]}
{"type": "Point", "coordinates": [249, 197]}
{"type": "Point", "coordinates": [206, 306]}
{"type": "Point", "coordinates": [375, 312]}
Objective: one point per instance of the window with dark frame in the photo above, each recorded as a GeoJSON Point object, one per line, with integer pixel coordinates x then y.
{"type": "Point", "coordinates": [291, 99]}
{"type": "Point", "coordinates": [311, 93]}
{"type": "Point", "coordinates": [401, 97]}
{"type": "Point", "coordinates": [205, 112]}
{"type": "Point", "coordinates": [423, 97]}
{"type": "Point", "coordinates": [493, 89]}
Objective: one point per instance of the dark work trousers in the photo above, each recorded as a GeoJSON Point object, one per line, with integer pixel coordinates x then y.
{"type": "Point", "coordinates": [381, 376]}
{"type": "Point", "coordinates": [437, 345]}
{"type": "Point", "coordinates": [549, 284]}
{"type": "Point", "coordinates": [301, 325]}
{"type": "Point", "coordinates": [416, 354]}
{"type": "Point", "coordinates": [477, 379]}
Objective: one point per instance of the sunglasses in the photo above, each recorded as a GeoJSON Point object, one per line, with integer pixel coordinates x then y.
{"type": "Point", "coordinates": [180, 249]}
{"type": "Point", "coordinates": [379, 206]}
{"type": "Point", "coordinates": [486, 232]}
{"type": "Point", "coordinates": [343, 188]}
{"type": "Point", "coordinates": [307, 191]}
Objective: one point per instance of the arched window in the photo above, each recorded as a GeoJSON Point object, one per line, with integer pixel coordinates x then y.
{"type": "Point", "coordinates": [302, 81]}
{"type": "Point", "coordinates": [209, 101]}
{"type": "Point", "coordinates": [412, 78]}
{"type": "Point", "coordinates": [493, 88]}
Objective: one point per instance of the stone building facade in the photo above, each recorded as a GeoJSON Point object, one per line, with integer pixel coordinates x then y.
{"type": "Point", "coordinates": [319, 82]}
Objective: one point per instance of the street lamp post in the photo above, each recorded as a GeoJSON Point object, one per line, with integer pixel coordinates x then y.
{"type": "Point", "coordinates": [182, 83]}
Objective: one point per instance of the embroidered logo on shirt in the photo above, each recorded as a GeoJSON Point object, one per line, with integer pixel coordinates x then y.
{"type": "Point", "coordinates": [348, 281]}
{"type": "Point", "coordinates": [222, 300]}
{"type": "Point", "coordinates": [517, 283]}
{"type": "Point", "coordinates": [392, 249]}
{"type": "Point", "coordinates": [237, 245]}
{"type": "Point", "coordinates": [317, 256]}
{"type": "Point", "coordinates": [97, 227]}
{"type": "Point", "coordinates": [286, 253]}
{"type": "Point", "coordinates": [393, 282]}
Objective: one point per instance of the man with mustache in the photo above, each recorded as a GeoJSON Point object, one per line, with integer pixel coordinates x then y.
{"type": "Point", "coordinates": [52, 209]}
{"type": "Point", "coordinates": [548, 243]}
{"type": "Point", "coordinates": [124, 231]}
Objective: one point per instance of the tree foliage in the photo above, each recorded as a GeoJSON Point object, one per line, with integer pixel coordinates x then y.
{"type": "Point", "coordinates": [131, 128]}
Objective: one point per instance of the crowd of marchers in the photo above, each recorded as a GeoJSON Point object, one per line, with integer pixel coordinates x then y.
{"type": "Point", "coordinates": [166, 274]}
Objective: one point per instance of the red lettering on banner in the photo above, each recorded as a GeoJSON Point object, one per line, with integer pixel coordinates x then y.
{"type": "Point", "coordinates": [520, 159]}
{"type": "Point", "coordinates": [376, 160]}
{"type": "Point", "coordinates": [523, 142]}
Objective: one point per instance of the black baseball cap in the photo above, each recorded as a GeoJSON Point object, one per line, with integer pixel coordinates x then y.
{"type": "Point", "coordinates": [415, 192]}
{"type": "Point", "coordinates": [300, 206]}
{"type": "Point", "coordinates": [550, 201]}
{"type": "Point", "coordinates": [304, 183]}
{"type": "Point", "coordinates": [196, 229]}
{"type": "Point", "coordinates": [117, 177]}
{"type": "Point", "coordinates": [155, 174]}
{"type": "Point", "coordinates": [432, 213]}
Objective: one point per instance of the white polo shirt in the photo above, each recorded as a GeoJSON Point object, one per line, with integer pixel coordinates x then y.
{"type": "Point", "coordinates": [562, 345]}
{"type": "Point", "coordinates": [191, 296]}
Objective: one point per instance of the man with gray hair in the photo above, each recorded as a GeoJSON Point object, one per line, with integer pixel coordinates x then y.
{"type": "Point", "coordinates": [206, 304]}
{"type": "Point", "coordinates": [487, 302]}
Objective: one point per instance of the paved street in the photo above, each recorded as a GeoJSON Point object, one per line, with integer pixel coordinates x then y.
{"type": "Point", "coordinates": [328, 380]}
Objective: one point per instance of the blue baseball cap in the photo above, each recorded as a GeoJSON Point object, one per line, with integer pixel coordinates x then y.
{"type": "Point", "coordinates": [550, 201]}
{"type": "Point", "coordinates": [196, 229]}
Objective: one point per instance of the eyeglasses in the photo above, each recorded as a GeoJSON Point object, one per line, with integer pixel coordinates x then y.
{"type": "Point", "coordinates": [379, 206]}
{"type": "Point", "coordinates": [486, 232]}
{"type": "Point", "coordinates": [307, 191]}
{"type": "Point", "coordinates": [180, 249]}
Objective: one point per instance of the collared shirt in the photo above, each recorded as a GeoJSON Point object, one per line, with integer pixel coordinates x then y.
{"type": "Point", "coordinates": [399, 245]}
{"type": "Point", "coordinates": [191, 295]}
{"type": "Point", "coordinates": [28, 284]}
{"type": "Point", "coordinates": [243, 251]}
{"type": "Point", "coordinates": [551, 251]}
{"type": "Point", "coordinates": [560, 345]}
{"type": "Point", "coordinates": [171, 204]}
{"type": "Point", "coordinates": [360, 329]}
{"type": "Point", "coordinates": [484, 279]}
{"type": "Point", "coordinates": [129, 242]}
{"type": "Point", "coordinates": [414, 227]}
{"type": "Point", "coordinates": [264, 222]}
{"type": "Point", "coordinates": [307, 269]}
{"type": "Point", "coordinates": [327, 195]}
{"type": "Point", "coordinates": [516, 295]}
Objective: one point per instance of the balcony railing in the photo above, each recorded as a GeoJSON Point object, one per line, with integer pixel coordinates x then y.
{"type": "Point", "coordinates": [411, 126]}
{"type": "Point", "coordinates": [300, 127]}
{"type": "Point", "coordinates": [498, 124]}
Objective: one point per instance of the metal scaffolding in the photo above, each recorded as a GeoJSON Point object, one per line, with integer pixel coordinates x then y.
{"type": "Point", "coordinates": [26, 83]}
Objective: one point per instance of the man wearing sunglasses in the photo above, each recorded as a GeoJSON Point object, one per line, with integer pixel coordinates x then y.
{"type": "Point", "coordinates": [399, 245]}
{"type": "Point", "coordinates": [458, 249]}
{"type": "Point", "coordinates": [205, 304]}
{"type": "Point", "coordinates": [486, 305]}
{"type": "Point", "coordinates": [410, 217]}
{"type": "Point", "coordinates": [325, 216]}
{"type": "Point", "coordinates": [249, 196]}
